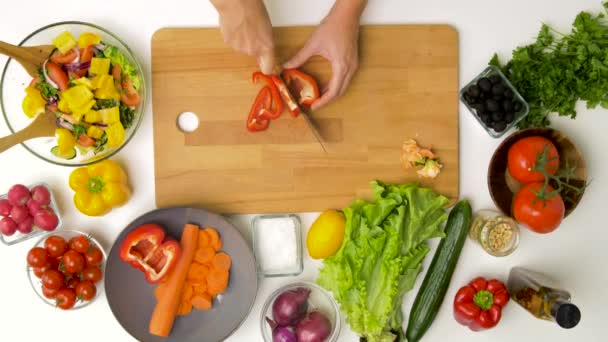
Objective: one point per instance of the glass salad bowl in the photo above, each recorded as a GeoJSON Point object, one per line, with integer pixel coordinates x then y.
{"type": "Point", "coordinates": [15, 80]}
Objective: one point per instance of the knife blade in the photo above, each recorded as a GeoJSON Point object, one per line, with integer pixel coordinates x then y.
{"type": "Point", "coordinates": [304, 113]}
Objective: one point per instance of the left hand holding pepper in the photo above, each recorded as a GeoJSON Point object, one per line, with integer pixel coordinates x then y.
{"type": "Point", "coordinates": [479, 304]}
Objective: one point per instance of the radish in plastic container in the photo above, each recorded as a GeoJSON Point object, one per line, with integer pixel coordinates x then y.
{"type": "Point", "coordinates": [33, 206]}
{"type": "Point", "coordinates": [46, 219]}
{"type": "Point", "coordinates": [18, 195]}
{"type": "Point", "coordinates": [8, 226]}
{"type": "Point", "coordinates": [26, 226]}
{"type": "Point", "coordinates": [5, 207]}
{"type": "Point", "coordinates": [41, 195]}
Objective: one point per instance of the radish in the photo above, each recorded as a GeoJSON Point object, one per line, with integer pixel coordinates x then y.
{"type": "Point", "coordinates": [33, 206]}
{"type": "Point", "coordinates": [41, 195]}
{"type": "Point", "coordinates": [26, 225]}
{"type": "Point", "coordinates": [18, 194]}
{"type": "Point", "coordinates": [19, 213]}
{"type": "Point", "coordinates": [5, 207]}
{"type": "Point", "coordinates": [7, 226]}
{"type": "Point", "coordinates": [46, 219]}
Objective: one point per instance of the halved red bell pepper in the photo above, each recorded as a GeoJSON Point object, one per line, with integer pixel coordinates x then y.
{"type": "Point", "coordinates": [302, 86]}
{"type": "Point", "coordinates": [262, 102]}
{"type": "Point", "coordinates": [479, 304]}
{"type": "Point", "coordinates": [146, 249]}
{"type": "Point", "coordinates": [292, 105]}
{"type": "Point", "coordinates": [274, 111]}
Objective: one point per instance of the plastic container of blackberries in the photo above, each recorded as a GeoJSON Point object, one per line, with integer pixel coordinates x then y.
{"type": "Point", "coordinates": [494, 102]}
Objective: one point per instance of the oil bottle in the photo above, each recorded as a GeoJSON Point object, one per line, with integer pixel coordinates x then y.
{"type": "Point", "coordinates": [542, 297]}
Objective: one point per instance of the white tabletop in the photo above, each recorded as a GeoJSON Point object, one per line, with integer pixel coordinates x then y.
{"type": "Point", "coordinates": [575, 254]}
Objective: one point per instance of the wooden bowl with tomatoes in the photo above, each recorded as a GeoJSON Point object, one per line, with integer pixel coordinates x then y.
{"type": "Point", "coordinates": [537, 176]}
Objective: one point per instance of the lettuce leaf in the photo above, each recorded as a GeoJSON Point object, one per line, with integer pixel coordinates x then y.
{"type": "Point", "coordinates": [381, 256]}
{"type": "Point", "coordinates": [117, 57]}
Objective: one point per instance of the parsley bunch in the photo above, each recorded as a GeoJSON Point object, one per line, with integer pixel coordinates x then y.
{"type": "Point", "coordinates": [557, 70]}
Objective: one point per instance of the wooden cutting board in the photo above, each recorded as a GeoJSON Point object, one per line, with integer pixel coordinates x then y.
{"type": "Point", "coordinates": [406, 87]}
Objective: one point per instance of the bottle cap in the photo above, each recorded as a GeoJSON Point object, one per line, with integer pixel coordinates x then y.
{"type": "Point", "coordinates": [568, 315]}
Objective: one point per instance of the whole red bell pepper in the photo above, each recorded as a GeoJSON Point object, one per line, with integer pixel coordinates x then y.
{"type": "Point", "coordinates": [302, 86]}
{"type": "Point", "coordinates": [146, 249]}
{"type": "Point", "coordinates": [479, 304]}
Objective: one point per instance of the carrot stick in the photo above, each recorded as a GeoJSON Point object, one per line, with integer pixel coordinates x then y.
{"type": "Point", "coordinates": [166, 309]}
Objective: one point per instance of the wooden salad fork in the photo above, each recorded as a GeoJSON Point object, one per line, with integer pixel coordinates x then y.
{"type": "Point", "coordinates": [30, 57]}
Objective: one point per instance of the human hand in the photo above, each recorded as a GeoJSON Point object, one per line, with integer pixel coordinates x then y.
{"type": "Point", "coordinates": [246, 27]}
{"type": "Point", "coordinates": [337, 40]}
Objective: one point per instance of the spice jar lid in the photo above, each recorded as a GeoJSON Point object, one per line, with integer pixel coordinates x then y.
{"type": "Point", "coordinates": [568, 315]}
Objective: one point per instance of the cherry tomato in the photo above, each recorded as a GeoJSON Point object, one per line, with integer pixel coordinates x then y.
{"type": "Point", "coordinates": [49, 293]}
{"type": "Point", "coordinates": [63, 58]}
{"type": "Point", "coordinates": [52, 279]}
{"type": "Point", "coordinates": [65, 298]}
{"type": "Point", "coordinates": [86, 290]}
{"type": "Point", "coordinates": [80, 244]}
{"type": "Point", "coordinates": [38, 271]}
{"type": "Point", "coordinates": [541, 216]}
{"type": "Point", "coordinates": [523, 155]}
{"type": "Point", "coordinates": [92, 273]}
{"type": "Point", "coordinates": [57, 75]}
{"type": "Point", "coordinates": [129, 96]}
{"type": "Point", "coordinates": [37, 257]}
{"type": "Point", "coordinates": [85, 140]}
{"type": "Point", "coordinates": [55, 246]}
{"type": "Point", "coordinates": [93, 256]}
{"type": "Point", "coordinates": [73, 261]}
{"type": "Point", "coordinates": [73, 282]}
{"type": "Point", "coordinates": [86, 55]}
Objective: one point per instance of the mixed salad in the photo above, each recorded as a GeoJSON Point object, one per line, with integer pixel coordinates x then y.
{"type": "Point", "coordinates": [92, 89]}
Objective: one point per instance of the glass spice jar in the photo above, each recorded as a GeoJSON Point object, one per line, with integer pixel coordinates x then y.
{"type": "Point", "coordinates": [497, 234]}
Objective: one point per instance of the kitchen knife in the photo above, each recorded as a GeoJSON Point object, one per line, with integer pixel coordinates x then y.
{"type": "Point", "coordinates": [305, 114]}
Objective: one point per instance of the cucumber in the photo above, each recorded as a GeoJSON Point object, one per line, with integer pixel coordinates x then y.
{"type": "Point", "coordinates": [437, 279]}
{"type": "Point", "coordinates": [71, 155]}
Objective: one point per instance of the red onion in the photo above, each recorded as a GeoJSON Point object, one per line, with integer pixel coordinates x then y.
{"type": "Point", "coordinates": [77, 66]}
{"type": "Point", "coordinates": [290, 306]}
{"type": "Point", "coordinates": [77, 58]}
{"type": "Point", "coordinates": [47, 79]}
{"type": "Point", "coordinates": [64, 124]}
{"type": "Point", "coordinates": [315, 327]}
{"type": "Point", "coordinates": [283, 334]}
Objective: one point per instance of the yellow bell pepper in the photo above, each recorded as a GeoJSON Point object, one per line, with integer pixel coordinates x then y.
{"type": "Point", "coordinates": [84, 81]}
{"type": "Point", "coordinates": [116, 134]}
{"type": "Point", "coordinates": [82, 110]}
{"type": "Point", "coordinates": [94, 132]}
{"type": "Point", "coordinates": [65, 141]}
{"type": "Point", "coordinates": [99, 187]}
{"type": "Point", "coordinates": [100, 66]}
{"type": "Point", "coordinates": [87, 39]}
{"type": "Point", "coordinates": [62, 105]}
{"type": "Point", "coordinates": [92, 116]}
{"type": "Point", "coordinates": [110, 115]}
{"type": "Point", "coordinates": [78, 97]}
{"type": "Point", "coordinates": [105, 88]}
{"type": "Point", "coordinates": [64, 42]}
{"type": "Point", "coordinates": [33, 103]}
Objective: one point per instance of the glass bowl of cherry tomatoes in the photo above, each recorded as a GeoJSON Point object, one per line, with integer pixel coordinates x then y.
{"type": "Point", "coordinates": [66, 268]}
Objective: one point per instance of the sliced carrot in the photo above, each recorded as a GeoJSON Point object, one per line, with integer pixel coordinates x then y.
{"type": "Point", "coordinates": [187, 292]}
{"type": "Point", "coordinates": [214, 238]}
{"type": "Point", "coordinates": [185, 307]}
{"type": "Point", "coordinates": [202, 301]}
{"type": "Point", "coordinates": [203, 238]}
{"type": "Point", "coordinates": [167, 307]}
{"type": "Point", "coordinates": [217, 281]}
{"type": "Point", "coordinates": [197, 272]}
{"type": "Point", "coordinates": [199, 288]}
{"type": "Point", "coordinates": [218, 246]}
{"type": "Point", "coordinates": [159, 290]}
{"type": "Point", "coordinates": [204, 255]}
{"type": "Point", "coordinates": [221, 261]}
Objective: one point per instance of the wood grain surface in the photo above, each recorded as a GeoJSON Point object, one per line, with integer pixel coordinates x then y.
{"type": "Point", "coordinates": [406, 87]}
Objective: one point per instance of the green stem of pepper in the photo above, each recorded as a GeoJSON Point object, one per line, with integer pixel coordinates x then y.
{"type": "Point", "coordinates": [484, 299]}
{"type": "Point", "coordinates": [95, 185]}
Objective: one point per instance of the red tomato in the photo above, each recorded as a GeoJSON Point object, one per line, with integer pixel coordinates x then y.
{"type": "Point", "coordinates": [52, 279]}
{"type": "Point", "coordinates": [93, 256]}
{"type": "Point", "coordinates": [55, 246]}
{"type": "Point", "coordinates": [66, 298]}
{"type": "Point", "coordinates": [34, 81]}
{"type": "Point", "coordinates": [49, 293]}
{"type": "Point", "coordinates": [57, 75]}
{"type": "Point", "coordinates": [129, 96]}
{"type": "Point", "coordinates": [85, 140]}
{"type": "Point", "coordinates": [541, 216]}
{"type": "Point", "coordinates": [73, 282]}
{"type": "Point", "coordinates": [86, 290]}
{"type": "Point", "coordinates": [37, 257]}
{"type": "Point", "coordinates": [86, 55]}
{"type": "Point", "coordinates": [73, 261]}
{"type": "Point", "coordinates": [63, 58]}
{"type": "Point", "coordinates": [92, 273]}
{"type": "Point", "coordinates": [80, 244]}
{"type": "Point", "coordinates": [523, 155]}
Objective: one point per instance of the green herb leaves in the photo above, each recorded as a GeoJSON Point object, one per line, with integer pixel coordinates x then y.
{"type": "Point", "coordinates": [557, 70]}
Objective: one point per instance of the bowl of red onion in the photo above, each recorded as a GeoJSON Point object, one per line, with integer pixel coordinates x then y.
{"type": "Point", "coordinates": [300, 312]}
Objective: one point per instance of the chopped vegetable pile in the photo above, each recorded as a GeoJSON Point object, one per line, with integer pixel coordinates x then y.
{"type": "Point", "coordinates": [557, 70]}
{"type": "Point", "coordinates": [91, 88]}
{"type": "Point", "coordinates": [381, 256]}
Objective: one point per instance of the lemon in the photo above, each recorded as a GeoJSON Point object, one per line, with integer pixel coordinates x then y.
{"type": "Point", "coordinates": [326, 234]}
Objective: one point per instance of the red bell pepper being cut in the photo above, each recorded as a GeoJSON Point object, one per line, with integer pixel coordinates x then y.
{"type": "Point", "coordinates": [302, 86]}
{"type": "Point", "coordinates": [261, 104]}
{"type": "Point", "coordinates": [479, 304]}
{"type": "Point", "coordinates": [276, 107]}
{"type": "Point", "coordinates": [292, 106]}
{"type": "Point", "coordinates": [146, 249]}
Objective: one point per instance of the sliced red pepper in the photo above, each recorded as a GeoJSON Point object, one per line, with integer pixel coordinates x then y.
{"type": "Point", "coordinates": [262, 103]}
{"type": "Point", "coordinates": [292, 105]}
{"type": "Point", "coordinates": [146, 249]}
{"type": "Point", "coordinates": [479, 304]}
{"type": "Point", "coordinates": [274, 111]}
{"type": "Point", "coordinates": [302, 86]}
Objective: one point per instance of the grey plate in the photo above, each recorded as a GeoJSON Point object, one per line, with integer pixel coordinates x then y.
{"type": "Point", "coordinates": [132, 300]}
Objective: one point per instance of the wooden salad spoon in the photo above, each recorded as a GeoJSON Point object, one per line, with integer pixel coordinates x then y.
{"type": "Point", "coordinates": [42, 126]}
{"type": "Point", "coordinates": [30, 57]}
